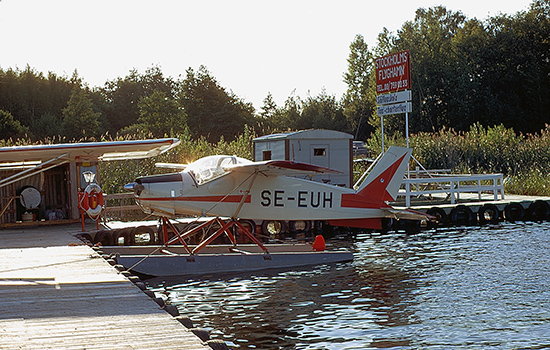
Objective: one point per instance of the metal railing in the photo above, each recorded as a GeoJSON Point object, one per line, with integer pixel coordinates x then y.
{"type": "Point", "coordinates": [421, 184]}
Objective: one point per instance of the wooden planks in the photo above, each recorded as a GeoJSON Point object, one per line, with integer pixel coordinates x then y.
{"type": "Point", "coordinates": [56, 294]}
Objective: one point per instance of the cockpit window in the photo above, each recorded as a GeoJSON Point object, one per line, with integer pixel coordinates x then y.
{"type": "Point", "coordinates": [212, 167]}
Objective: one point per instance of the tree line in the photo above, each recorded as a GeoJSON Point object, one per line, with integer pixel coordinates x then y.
{"type": "Point", "coordinates": [464, 71]}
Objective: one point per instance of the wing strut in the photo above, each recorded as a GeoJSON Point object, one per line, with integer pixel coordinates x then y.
{"type": "Point", "coordinates": [245, 195]}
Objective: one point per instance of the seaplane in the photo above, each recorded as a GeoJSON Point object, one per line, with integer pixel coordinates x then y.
{"type": "Point", "coordinates": [231, 190]}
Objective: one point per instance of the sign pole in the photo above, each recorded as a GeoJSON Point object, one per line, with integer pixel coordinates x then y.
{"type": "Point", "coordinates": [407, 125]}
{"type": "Point", "coordinates": [382, 131]}
{"type": "Point", "coordinates": [407, 133]}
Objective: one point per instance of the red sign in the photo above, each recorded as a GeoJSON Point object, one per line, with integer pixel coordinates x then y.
{"type": "Point", "coordinates": [393, 72]}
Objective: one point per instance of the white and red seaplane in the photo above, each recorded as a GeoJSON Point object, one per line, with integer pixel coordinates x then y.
{"type": "Point", "coordinates": [230, 189]}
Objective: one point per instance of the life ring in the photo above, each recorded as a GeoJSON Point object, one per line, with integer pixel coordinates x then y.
{"type": "Point", "coordinates": [514, 212]}
{"type": "Point", "coordinates": [462, 215]}
{"type": "Point", "coordinates": [488, 214]}
{"type": "Point", "coordinates": [539, 210]}
{"type": "Point", "coordinates": [92, 200]}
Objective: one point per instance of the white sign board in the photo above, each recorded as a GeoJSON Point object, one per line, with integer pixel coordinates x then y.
{"type": "Point", "coordinates": [404, 107]}
{"type": "Point", "coordinates": [394, 97]}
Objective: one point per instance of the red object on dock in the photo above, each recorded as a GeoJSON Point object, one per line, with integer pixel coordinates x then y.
{"type": "Point", "coordinates": [319, 243]}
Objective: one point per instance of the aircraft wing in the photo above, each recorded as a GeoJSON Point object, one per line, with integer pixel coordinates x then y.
{"type": "Point", "coordinates": [33, 159]}
{"type": "Point", "coordinates": [280, 167]}
{"type": "Point", "coordinates": [110, 150]}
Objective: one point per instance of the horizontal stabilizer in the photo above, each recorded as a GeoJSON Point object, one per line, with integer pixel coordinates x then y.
{"type": "Point", "coordinates": [407, 214]}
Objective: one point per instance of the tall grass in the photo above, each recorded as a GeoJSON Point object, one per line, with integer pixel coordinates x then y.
{"type": "Point", "coordinates": [523, 159]}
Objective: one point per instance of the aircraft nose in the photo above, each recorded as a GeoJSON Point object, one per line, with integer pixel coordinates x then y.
{"type": "Point", "coordinates": [130, 186]}
{"type": "Point", "coordinates": [134, 186]}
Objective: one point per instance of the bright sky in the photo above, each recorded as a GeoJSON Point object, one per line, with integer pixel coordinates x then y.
{"type": "Point", "coordinates": [251, 47]}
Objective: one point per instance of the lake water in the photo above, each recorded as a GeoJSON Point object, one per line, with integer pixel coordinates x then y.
{"type": "Point", "coordinates": [468, 288]}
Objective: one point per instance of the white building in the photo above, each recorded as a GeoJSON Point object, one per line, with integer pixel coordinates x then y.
{"type": "Point", "coordinates": [327, 148]}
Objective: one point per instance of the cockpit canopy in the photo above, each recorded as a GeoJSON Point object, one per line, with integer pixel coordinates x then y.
{"type": "Point", "coordinates": [212, 167]}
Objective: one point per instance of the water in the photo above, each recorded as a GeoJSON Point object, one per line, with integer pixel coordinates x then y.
{"type": "Point", "coordinates": [470, 288]}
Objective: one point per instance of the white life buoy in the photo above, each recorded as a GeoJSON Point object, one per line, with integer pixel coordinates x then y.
{"type": "Point", "coordinates": [92, 200]}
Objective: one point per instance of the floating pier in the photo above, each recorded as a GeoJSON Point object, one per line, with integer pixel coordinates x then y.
{"type": "Point", "coordinates": [57, 293]}
{"type": "Point", "coordinates": [471, 210]}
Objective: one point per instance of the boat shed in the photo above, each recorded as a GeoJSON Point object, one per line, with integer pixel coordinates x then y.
{"type": "Point", "coordinates": [327, 148]}
{"type": "Point", "coordinates": [38, 180]}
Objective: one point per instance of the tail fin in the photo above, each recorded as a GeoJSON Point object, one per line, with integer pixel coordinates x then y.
{"type": "Point", "coordinates": [385, 178]}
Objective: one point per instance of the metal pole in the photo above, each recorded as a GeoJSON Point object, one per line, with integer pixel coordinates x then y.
{"type": "Point", "coordinates": [382, 131]}
{"type": "Point", "coordinates": [407, 133]}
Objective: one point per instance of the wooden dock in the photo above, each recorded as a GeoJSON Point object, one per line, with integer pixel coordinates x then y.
{"type": "Point", "coordinates": [56, 293]}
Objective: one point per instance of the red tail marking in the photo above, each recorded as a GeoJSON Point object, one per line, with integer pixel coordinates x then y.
{"type": "Point", "coordinates": [374, 194]}
{"type": "Point", "coordinates": [377, 188]}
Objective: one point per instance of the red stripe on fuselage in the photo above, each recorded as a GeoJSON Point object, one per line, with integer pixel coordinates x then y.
{"type": "Point", "coordinates": [223, 199]}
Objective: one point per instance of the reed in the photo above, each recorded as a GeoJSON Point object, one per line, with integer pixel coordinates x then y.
{"type": "Point", "coordinates": [524, 160]}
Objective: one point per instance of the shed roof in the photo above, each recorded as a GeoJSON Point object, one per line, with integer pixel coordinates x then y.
{"type": "Point", "coordinates": [306, 134]}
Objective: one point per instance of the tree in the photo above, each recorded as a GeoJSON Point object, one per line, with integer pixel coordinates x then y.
{"type": "Point", "coordinates": [47, 125]}
{"type": "Point", "coordinates": [359, 100]}
{"type": "Point", "coordinates": [9, 127]}
{"type": "Point", "coordinates": [285, 118]}
{"type": "Point", "coordinates": [79, 118]}
{"type": "Point", "coordinates": [439, 74]}
{"type": "Point", "coordinates": [122, 95]}
{"type": "Point", "coordinates": [322, 112]}
{"type": "Point", "coordinates": [211, 110]}
{"type": "Point", "coordinates": [161, 115]}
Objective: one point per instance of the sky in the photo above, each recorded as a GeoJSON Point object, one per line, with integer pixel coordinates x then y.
{"type": "Point", "coordinates": [251, 47]}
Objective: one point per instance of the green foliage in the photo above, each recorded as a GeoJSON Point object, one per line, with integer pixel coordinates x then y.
{"type": "Point", "coordinates": [359, 100]}
{"type": "Point", "coordinates": [467, 71]}
{"type": "Point", "coordinates": [9, 127]}
{"type": "Point", "coordinates": [212, 111]}
{"type": "Point", "coordinates": [47, 125]}
{"type": "Point", "coordinates": [161, 115]}
{"type": "Point", "coordinates": [122, 95]}
{"type": "Point", "coordinates": [524, 159]}
{"type": "Point", "coordinates": [80, 121]}
{"type": "Point", "coordinates": [319, 112]}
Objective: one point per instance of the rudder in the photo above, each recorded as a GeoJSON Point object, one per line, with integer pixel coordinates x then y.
{"type": "Point", "coordinates": [385, 178]}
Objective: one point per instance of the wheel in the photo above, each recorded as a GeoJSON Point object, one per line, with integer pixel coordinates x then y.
{"type": "Point", "coordinates": [539, 210]}
{"type": "Point", "coordinates": [299, 226]}
{"type": "Point", "coordinates": [249, 225]}
{"type": "Point", "coordinates": [488, 214]}
{"type": "Point", "coordinates": [274, 228]}
{"type": "Point", "coordinates": [462, 215]}
{"type": "Point", "coordinates": [514, 212]}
